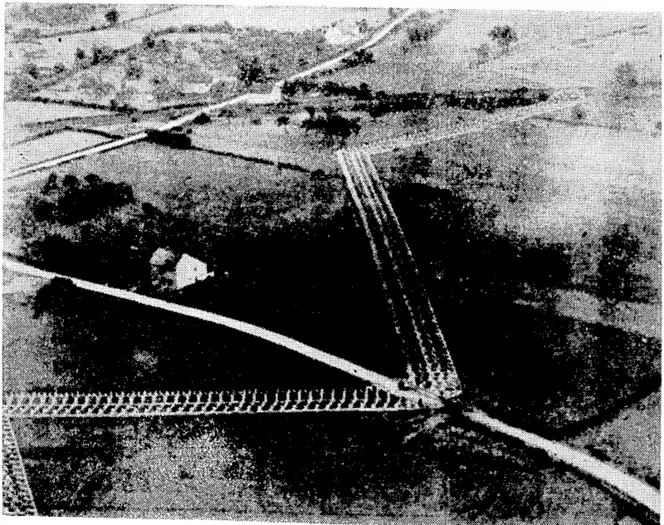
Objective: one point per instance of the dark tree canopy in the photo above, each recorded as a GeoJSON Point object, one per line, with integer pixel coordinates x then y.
{"type": "Point", "coordinates": [504, 36]}
{"type": "Point", "coordinates": [251, 71]}
{"type": "Point", "coordinates": [332, 126]}
{"type": "Point", "coordinates": [112, 16]}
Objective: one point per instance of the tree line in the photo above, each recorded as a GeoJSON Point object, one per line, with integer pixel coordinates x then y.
{"type": "Point", "coordinates": [379, 102]}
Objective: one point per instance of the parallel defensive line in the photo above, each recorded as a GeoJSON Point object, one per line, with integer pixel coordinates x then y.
{"type": "Point", "coordinates": [149, 404]}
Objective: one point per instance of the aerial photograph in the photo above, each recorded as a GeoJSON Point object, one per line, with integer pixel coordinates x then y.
{"type": "Point", "coordinates": [319, 263]}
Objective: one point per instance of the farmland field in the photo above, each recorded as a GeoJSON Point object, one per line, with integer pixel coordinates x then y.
{"type": "Point", "coordinates": [537, 244]}
{"type": "Point", "coordinates": [551, 51]}
{"type": "Point", "coordinates": [48, 147]}
{"type": "Point", "coordinates": [255, 132]}
{"type": "Point", "coordinates": [295, 18]}
{"type": "Point", "coordinates": [631, 438]}
{"type": "Point", "coordinates": [18, 115]}
{"type": "Point", "coordinates": [74, 17]}
{"type": "Point", "coordinates": [154, 170]}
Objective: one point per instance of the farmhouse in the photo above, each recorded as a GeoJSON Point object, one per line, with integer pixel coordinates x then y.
{"type": "Point", "coordinates": [169, 272]}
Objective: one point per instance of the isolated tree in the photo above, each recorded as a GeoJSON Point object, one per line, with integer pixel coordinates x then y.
{"type": "Point", "coordinates": [289, 89]}
{"type": "Point", "coordinates": [79, 54]}
{"type": "Point", "coordinates": [625, 76]}
{"type": "Point", "coordinates": [283, 120]}
{"type": "Point", "coordinates": [202, 118]}
{"type": "Point", "coordinates": [112, 16]}
{"type": "Point", "coordinates": [59, 68]}
{"type": "Point", "coordinates": [483, 53]}
{"type": "Point", "coordinates": [133, 69]}
{"type": "Point", "coordinates": [149, 41]}
{"type": "Point", "coordinates": [22, 85]}
{"type": "Point", "coordinates": [421, 33]}
{"type": "Point", "coordinates": [504, 36]}
{"type": "Point", "coordinates": [332, 126]}
{"type": "Point", "coordinates": [101, 54]}
{"type": "Point", "coordinates": [311, 110]}
{"type": "Point", "coordinates": [30, 68]}
{"type": "Point", "coordinates": [250, 71]}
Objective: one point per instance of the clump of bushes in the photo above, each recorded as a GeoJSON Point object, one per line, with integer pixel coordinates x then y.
{"type": "Point", "coordinates": [169, 138]}
{"type": "Point", "coordinates": [421, 33]}
{"type": "Point", "coordinates": [504, 36]}
{"type": "Point", "coordinates": [331, 126]}
{"type": "Point", "coordinates": [625, 76]}
{"type": "Point", "coordinates": [72, 200]}
{"type": "Point", "coordinates": [202, 118]}
{"type": "Point", "coordinates": [358, 58]}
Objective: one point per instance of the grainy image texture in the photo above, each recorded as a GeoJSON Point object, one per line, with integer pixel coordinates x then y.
{"type": "Point", "coordinates": [331, 264]}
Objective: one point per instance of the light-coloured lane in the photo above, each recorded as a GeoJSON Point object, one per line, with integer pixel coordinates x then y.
{"type": "Point", "coordinates": [615, 479]}
{"type": "Point", "coordinates": [388, 384]}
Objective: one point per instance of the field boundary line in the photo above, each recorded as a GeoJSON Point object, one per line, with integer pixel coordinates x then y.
{"type": "Point", "coordinates": [536, 110]}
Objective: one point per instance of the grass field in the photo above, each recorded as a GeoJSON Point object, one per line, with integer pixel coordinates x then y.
{"type": "Point", "coordinates": [45, 148]}
{"type": "Point", "coordinates": [154, 170]}
{"type": "Point", "coordinates": [18, 115]}
{"type": "Point", "coordinates": [631, 440]}
{"type": "Point", "coordinates": [183, 65]}
{"type": "Point", "coordinates": [554, 49]}
{"type": "Point", "coordinates": [280, 18]}
{"type": "Point", "coordinates": [241, 135]}
{"type": "Point", "coordinates": [71, 17]}
{"type": "Point", "coordinates": [572, 179]}
{"type": "Point", "coordinates": [25, 352]}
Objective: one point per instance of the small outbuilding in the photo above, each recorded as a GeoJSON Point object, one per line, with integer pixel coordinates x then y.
{"type": "Point", "coordinates": [170, 272]}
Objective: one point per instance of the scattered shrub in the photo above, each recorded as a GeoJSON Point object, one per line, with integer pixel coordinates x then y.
{"type": "Point", "coordinates": [504, 36]}
{"type": "Point", "coordinates": [625, 76]}
{"type": "Point", "coordinates": [202, 118]}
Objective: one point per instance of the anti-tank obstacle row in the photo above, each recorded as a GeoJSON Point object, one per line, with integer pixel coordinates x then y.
{"type": "Point", "coordinates": [17, 499]}
{"type": "Point", "coordinates": [430, 364]}
{"type": "Point", "coordinates": [146, 404]}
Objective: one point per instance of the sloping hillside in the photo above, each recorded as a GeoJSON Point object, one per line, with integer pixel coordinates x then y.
{"type": "Point", "coordinates": [553, 49]}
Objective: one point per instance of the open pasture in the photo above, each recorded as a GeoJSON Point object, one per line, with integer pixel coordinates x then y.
{"type": "Point", "coordinates": [18, 115]}
{"type": "Point", "coordinates": [50, 146]}
{"type": "Point", "coordinates": [280, 18]}
{"type": "Point", "coordinates": [554, 49]}
{"type": "Point", "coordinates": [569, 179]}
